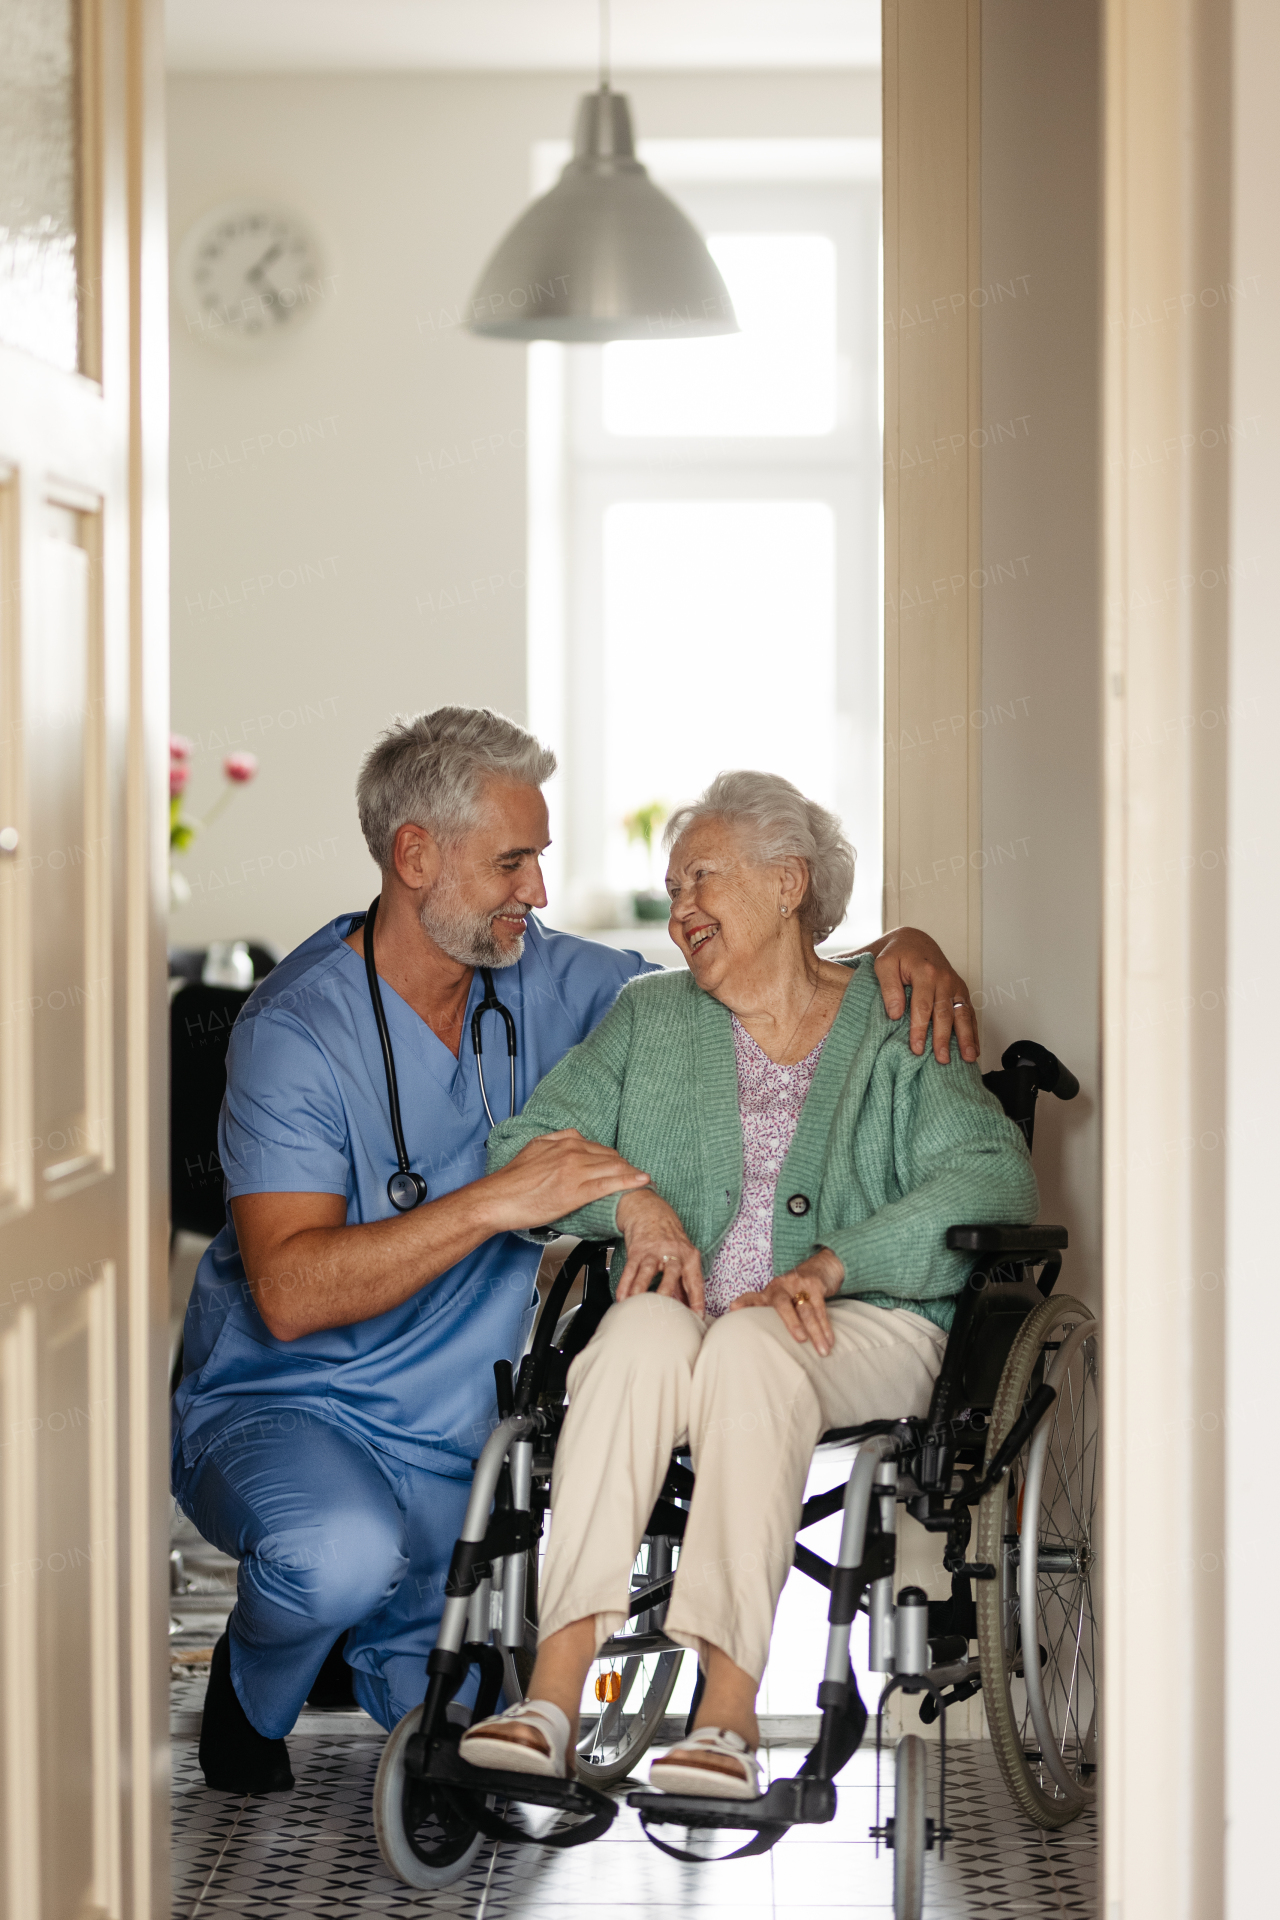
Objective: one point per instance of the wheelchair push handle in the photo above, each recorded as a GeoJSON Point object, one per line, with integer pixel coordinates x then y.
{"type": "Point", "coordinates": [1026, 1069]}
{"type": "Point", "coordinates": [1050, 1076]}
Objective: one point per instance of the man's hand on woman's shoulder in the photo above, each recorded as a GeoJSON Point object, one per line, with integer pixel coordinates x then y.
{"type": "Point", "coordinates": [909, 958]}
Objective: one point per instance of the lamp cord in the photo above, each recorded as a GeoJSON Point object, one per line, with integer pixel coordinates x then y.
{"type": "Point", "coordinates": [605, 75]}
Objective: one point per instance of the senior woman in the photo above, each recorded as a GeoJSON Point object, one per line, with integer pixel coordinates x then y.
{"type": "Point", "coordinates": [804, 1166]}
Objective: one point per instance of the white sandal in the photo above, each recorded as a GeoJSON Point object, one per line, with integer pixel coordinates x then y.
{"type": "Point", "coordinates": [483, 1746]}
{"type": "Point", "coordinates": [736, 1776]}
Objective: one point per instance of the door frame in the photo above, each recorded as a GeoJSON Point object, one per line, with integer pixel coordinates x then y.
{"type": "Point", "coordinates": [140, 41]}
{"type": "Point", "coordinates": [96, 442]}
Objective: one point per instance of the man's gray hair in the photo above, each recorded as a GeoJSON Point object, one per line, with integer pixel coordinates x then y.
{"type": "Point", "coordinates": [780, 824]}
{"type": "Point", "coordinates": [431, 770]}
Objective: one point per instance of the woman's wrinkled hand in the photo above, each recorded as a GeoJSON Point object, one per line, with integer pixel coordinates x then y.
{"type": "Point", "coordinates": [800, 1298]}
{"type": "Point", "coordinates": [909, 958]}
{"type": "Point", "coordinates": [554, 1175]}
{"type": "Point", "coordinates": [658, 1244]}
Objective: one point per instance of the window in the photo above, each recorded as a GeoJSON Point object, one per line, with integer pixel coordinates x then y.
{"type": "Point", "coordinates": [697, 597]}
{"type": "Point", "coordinates": [705, 532]}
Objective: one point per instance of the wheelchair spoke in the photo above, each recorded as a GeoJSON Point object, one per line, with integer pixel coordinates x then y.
{"type": "Point", "coordinates": [1088, 1660]}
{"type": "Point", "coordinates": [1072, 1715]}
{"type": "Point", "coordinates": [1071, 1748]}
{"type": "Point", "coordinates": [1093, 1471]}
{"type": "Point", "coordinates": [1052, 1666]}
{"type": "Point", "coordinates": [1057, 1490]}
{"type": "Point", "coordinates": [1063, 1472]}
{"type": "Point", "coordinates": [1073, 1446]}
{"type": "Point", "coordinates": [1072, 1624]}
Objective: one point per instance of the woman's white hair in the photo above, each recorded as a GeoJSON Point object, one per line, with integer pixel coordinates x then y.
{"type": "Point", "coordinates": [431, 770]}
{"type": "Point", "coordinates": [780, 824]}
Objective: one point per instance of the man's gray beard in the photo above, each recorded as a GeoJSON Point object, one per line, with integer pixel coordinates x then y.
{"type": "Point", "coordinates": [465, 936]}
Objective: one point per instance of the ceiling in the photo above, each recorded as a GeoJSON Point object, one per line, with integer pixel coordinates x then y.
{"type": "Point", "coordinates": [517, 35]}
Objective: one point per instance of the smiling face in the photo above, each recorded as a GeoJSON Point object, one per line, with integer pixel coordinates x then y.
{"type": "Point", "coordinates": [490, 879]}
{"type": "Point", "coordinates": [726, 911]}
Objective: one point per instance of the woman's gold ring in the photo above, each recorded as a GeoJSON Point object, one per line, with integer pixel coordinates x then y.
{"type": "Point", "coordinates": [800, 1299]}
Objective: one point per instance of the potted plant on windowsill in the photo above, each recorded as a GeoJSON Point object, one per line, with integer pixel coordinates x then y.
{"type": "Point", "coordinates": [642, 826]}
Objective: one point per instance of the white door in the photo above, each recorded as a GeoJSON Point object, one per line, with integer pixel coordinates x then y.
{"type": "Point", "coordinates": [83, 1822]}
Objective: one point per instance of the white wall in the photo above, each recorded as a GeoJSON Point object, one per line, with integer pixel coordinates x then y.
{"type": "Point", "coordinates": [382, 449]}
{"type": "Point", "coordinates": [1041, 924]}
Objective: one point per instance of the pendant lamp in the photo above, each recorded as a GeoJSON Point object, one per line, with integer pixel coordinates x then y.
{"type": "Point", "coordinates": [605, 255]}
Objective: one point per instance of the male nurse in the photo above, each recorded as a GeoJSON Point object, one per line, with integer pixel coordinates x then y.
{"type": "Point", "coordinates": [339, 1354]}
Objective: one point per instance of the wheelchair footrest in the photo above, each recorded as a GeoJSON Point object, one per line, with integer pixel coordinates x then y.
{"type": "Point", "coordinates": [443, 1766]}
{"type": "Point", "coordinates": [788, 1803]}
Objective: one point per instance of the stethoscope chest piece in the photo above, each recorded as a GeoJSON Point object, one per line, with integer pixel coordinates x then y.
{"type": "Point", "coordinates": [406, 1191]}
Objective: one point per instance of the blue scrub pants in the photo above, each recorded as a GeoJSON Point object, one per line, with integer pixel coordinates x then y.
{"type": "Point", "coordinates": [330, 1533]}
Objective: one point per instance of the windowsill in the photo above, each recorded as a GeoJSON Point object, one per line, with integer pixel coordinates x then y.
{"type": "Point", "coordinates": [649, 938]}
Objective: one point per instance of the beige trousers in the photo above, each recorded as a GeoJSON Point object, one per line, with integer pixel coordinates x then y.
{"type": "Point", "coordinates": [751, 1402]}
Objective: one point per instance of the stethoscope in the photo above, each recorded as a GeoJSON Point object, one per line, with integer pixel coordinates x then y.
{"type": "Point", "coordinates": [407, 1189]}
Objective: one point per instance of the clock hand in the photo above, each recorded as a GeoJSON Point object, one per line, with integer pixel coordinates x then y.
{"type": "Point", "coordinates": [256, 271]}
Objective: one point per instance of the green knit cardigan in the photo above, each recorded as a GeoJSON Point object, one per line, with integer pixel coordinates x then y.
{"type": "Point", "coordinates": [891, 1148]}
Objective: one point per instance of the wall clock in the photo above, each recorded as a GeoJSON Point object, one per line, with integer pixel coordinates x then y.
{"type": "Point", "coordinates": [246, 272]}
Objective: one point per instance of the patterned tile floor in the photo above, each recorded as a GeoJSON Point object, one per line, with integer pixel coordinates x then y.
{"type": "Point", "coordinates": [312, 1852]}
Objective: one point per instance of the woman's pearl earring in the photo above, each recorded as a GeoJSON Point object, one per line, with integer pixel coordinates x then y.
{"type": "Point", "coordinates": [784, 913]}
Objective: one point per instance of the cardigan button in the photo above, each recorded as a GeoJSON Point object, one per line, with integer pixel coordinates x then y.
{"type": "Point", "coordinates": [798, 1203]}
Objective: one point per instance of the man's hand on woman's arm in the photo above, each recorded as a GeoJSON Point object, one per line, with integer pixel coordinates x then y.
{"type": "Point", "coordinates": [908, 958]}
{"type": "Point", "coordinates": [308, 1270]}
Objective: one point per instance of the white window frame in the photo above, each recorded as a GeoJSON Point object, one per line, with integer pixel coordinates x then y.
{"type": "Point", "coordinates": [577, 471]}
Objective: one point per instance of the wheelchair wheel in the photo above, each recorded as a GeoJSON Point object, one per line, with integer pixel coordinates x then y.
{"type": "Point", "coordinates": [1037, 1633]}
{"type": "Point", "coordinates": [420, 1837]}
{"type": "Point", "coordinates": [628, 1685]}
{"type": "Point", "coordinates": [911, 1787]}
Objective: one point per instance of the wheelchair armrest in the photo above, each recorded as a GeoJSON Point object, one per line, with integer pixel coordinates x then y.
{"type": "Point", "coordinates": [1006, 1239]}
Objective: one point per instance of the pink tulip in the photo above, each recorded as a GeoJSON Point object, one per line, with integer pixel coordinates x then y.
{"type": "Point", "coordinates": [178, 778]}
{"type": "Point", "coordinates": [179, 747]}
{"type": "Point", "coordinates": [240, 767]}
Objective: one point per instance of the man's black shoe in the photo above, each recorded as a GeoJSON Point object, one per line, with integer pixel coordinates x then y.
{"type": "Point", "coordinates": [332, 1690]}
{"type": "Point", "coordinates": [234, 1756]}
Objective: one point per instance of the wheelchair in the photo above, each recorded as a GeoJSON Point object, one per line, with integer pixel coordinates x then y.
{"type": "Point", "coordinates": [1004, 1465]}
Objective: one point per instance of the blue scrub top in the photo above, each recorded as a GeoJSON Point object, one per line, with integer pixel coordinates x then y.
{"type": "Point", "coordinates": [306, 1112]}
